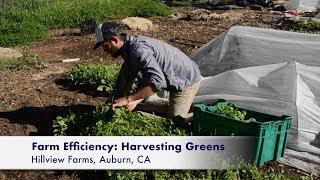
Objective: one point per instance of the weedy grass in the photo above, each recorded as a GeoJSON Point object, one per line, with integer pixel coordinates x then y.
{"type": "Point", "coordinates": [24, 21]}
{"type": "Point", "coordinates": [27, 61]}
{"type": "Point", "coordinates": [313, 26]}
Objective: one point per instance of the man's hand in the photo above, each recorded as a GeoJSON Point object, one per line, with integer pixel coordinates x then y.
{"type": "Point", "coordinates": [131, 105]}
{"type": "Point", "coordinates": [135, 98]}
{"type": "Point", "coordinates": [123, 101]}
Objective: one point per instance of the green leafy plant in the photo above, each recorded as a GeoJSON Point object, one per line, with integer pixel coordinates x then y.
{"type": "Point", "coordinates": [122, 123]}
{"type": "Point", "coordinates": [101, 77]}
{"type": "Point", "coordinates": [233, 112]}
{"type": "Point", "coordinates": [62, 124]}
{"type": "Point", "coordinates": [125, 123]}
{"type": "Point", "coordinates": [71, 125]}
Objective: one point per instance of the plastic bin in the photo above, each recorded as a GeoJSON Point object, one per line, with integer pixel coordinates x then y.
{"type": "Point", "coordinates": [271, 131]}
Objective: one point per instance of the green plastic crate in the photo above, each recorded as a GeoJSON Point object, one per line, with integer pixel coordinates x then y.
{"type": "Point", "coordinates": [271, 131]}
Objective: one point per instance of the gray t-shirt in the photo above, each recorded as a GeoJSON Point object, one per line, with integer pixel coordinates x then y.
{"type": "Point", "coordinates": [156, 63]}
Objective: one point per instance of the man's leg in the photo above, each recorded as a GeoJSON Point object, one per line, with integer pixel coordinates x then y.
{"type": "Point", "coordinates": [180, 102]}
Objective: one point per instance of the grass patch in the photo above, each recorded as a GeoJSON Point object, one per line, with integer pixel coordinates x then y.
{"type": "Point", "coordinates": [308, 26]}
{"type": "Point", "coordinates": [24, 21]}
{"type": "Point", "coordinates": [27, 61]}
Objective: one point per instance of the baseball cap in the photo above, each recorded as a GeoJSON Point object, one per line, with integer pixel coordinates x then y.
{"type": "Point", "coordinates": [105, 31]}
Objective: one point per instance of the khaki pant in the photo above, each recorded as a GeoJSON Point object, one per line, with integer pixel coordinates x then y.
{"type": "Point", "coordinates": [180, 102]}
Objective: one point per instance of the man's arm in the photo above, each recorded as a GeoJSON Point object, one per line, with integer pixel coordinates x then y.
{"type": "Point", "coordinates": [142, 93]}
{"type": "Point", "coordinates": [135, 97]}
{"type": "Point", "coordinates": [123, 82]}
{"type": "Point", "coordinates": [153, 80]}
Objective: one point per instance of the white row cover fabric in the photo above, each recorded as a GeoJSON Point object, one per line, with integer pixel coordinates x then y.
{"type": "Point", "coordinates": [241, 47]}
{"type": "Point", "coordinates": [303, 5]}
{"type": "Point", "coordinates": [273, 72]}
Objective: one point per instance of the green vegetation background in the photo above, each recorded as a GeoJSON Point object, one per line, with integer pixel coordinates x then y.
{"type": "Point", "coordinates": [24, 21]}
